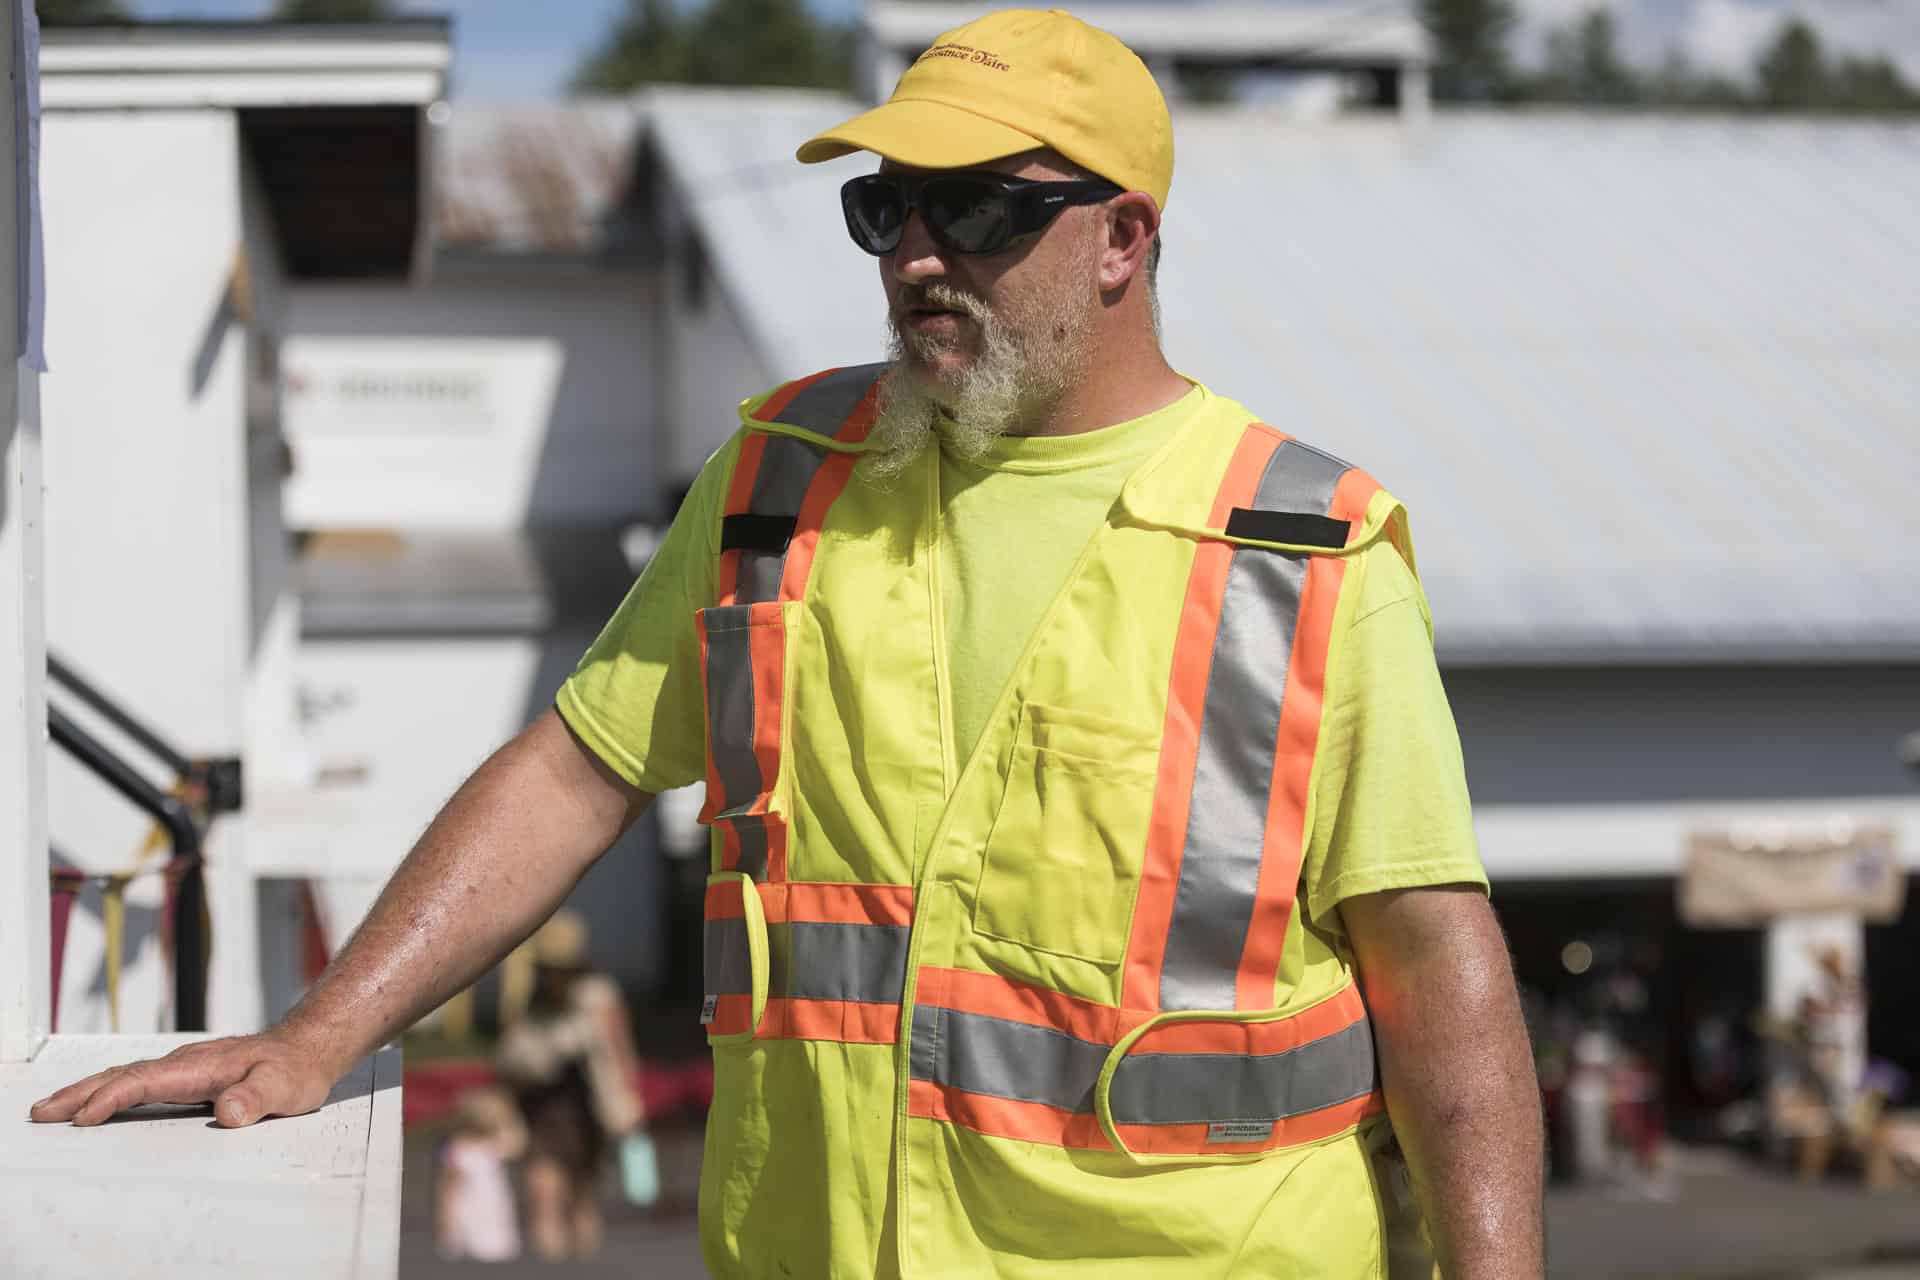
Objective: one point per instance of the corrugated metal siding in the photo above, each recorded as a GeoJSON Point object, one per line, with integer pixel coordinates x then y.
{"type": "Point", "coordinates": [1650, 386]}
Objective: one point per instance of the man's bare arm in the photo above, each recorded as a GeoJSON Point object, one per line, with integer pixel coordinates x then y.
{"type": "Point", "coordinates": [499, 858]}
{"type": "Point", "coordinates": [1459, 1074]}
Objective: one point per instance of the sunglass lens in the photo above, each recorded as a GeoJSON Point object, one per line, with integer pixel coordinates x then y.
{"type": "Point", "coordinates": [875, 210]}
{"type": "Point", "coordinates": [971, 216]}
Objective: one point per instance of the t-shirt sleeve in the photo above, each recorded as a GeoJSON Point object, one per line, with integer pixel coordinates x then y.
{"type": "Point", "coordinates": [1391, 809]}
{"type": "Point", "coordinates": [637, 698]}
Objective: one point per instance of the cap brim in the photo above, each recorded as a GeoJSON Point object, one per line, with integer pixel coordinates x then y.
{"type": "Point", "coordinates": [921, 135]}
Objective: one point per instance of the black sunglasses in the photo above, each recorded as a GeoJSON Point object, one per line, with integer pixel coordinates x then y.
{"type": "Point", "coordinates": [964, 212]}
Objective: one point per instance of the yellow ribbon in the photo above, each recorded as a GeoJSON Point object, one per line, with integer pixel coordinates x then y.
{"type": "Point", "coordinates": [113, 914]}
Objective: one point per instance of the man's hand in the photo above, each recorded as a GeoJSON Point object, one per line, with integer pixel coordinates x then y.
{"type": "Point", "coordinates": [247, 1078]}
{"type": "Point", "coordinates": [500, 857]}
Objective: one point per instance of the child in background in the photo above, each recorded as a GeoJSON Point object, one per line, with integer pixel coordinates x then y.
{"type": "Point", "coordinates": [474, 1214]}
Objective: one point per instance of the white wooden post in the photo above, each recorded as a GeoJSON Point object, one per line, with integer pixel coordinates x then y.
{"type": "Point", "coordinates": [25, 1001]}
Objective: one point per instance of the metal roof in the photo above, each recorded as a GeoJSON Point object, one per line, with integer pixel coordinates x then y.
{"type": "Point", "coordinates": [1307, 31]}
{"type": "Point", "coordinates": [1650, 386]}
{"type": "Point", "coordinates": [534, 177]}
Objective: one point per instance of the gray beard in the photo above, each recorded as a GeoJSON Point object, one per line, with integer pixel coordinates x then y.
{"type": "Point", "coordinates": [1011, 380]}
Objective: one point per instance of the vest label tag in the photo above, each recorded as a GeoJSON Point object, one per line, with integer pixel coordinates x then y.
{"type": "Point", "coordinates": [711, 1006]}
{"type": "Point", "coordinates": [1240, 1131]}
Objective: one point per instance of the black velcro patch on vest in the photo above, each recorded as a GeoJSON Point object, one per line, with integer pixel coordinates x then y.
{"type": "Point", "coordinates": [757, 533]}
{"type": "Point", "coordinates": [1299, 528]}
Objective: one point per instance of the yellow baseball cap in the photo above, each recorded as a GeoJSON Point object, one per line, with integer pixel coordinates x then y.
{"type": "Point", "coordinates": [1013, 81]}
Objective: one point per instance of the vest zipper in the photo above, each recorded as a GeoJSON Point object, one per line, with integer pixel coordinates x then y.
{"type": "Point", "coordinates": [942, 677]}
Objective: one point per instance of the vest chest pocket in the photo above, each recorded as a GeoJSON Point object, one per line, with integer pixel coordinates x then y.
{"type": "Point", "coordinates": [744, 665]}
{"type": "Point", "coordinates": [1062, 864]}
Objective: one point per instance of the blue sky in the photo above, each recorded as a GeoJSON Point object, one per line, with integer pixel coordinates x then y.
{"type": "Point", "coordinates": [527, 48]}
{"type": "Point", "coordinates": [502, 48]}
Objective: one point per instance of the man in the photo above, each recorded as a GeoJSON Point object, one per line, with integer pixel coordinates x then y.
{"type": "Point", "coordinates": [1072, 739]}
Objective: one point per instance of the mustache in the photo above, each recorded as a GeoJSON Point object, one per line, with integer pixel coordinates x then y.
{"type": "Point", "coordinates": [936, 295]}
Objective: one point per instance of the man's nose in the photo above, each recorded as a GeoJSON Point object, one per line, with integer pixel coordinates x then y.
{"type": "Point", "coordinates": [917, 258]}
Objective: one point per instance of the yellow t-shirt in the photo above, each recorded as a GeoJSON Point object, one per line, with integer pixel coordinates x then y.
{"type": "Point", "coordinates": [1011, 526]}
{"type": "Point", "coordinates": [1391, 807]}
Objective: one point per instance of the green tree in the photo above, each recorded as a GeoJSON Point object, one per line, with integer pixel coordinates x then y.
{"type": "Point", "coordinates": [648, 45]}
{"type": "Point", "coordinates": [737, 42]}
{"type": "Point", "coordinates": [55, 13]}
{"type": "Point", "coordinates": [1793, 71]}
{"type": "Point", "coordinates": [1584, 63]}
{"type": "Point", "coordinates": [1470, 47]}
{"type": "Point", "coordinates": [332, 11]}
{"type": "Point", "coordinates": [1874, 85]}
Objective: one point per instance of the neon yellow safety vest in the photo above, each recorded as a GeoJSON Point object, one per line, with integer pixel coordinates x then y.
{"type": "Point", "coordinates": [1021, 1014]}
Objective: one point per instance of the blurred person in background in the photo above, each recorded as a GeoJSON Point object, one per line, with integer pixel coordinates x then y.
{"type": "Point", "coordinates": [474, 1215]}
{"type": "Point", "coordinates": [570, 1062]}
{"type": "Point", "coordinates": [1093, 872]}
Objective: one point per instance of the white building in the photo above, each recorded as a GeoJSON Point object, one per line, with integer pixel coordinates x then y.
{"type": "Point", "coordinates": [190, 172]}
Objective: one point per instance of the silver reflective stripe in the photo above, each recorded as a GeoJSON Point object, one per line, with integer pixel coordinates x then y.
{"type": "Point", "coordinates": [1003, 1059]}
{"type": "Point", "coordinates": [810, 960]}
{"type": "Point", "coordinates": [751, 831]}
{"type": "Point", "coordinates": [1239, 733]}
{"type": "Point", "coordinates": [778, 488]}
{"type": "Point", "coordinates": [728, 963]}
{"type": "Point", "coordinates": [824, 407]}
{"type": "Point", "coordinates": [788, 466]}
{"type": "Point", "coordinates": [819, 961]}
{"type": "Point", "coordinates": [1217, 1088]}
{"type": "Point", "coordinates": [730, 706]}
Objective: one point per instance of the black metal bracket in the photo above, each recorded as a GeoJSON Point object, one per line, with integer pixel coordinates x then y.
{"type": "Point", "coordinates": [177, 818]}
{"type": "Point", "coordinates": [221, 780]}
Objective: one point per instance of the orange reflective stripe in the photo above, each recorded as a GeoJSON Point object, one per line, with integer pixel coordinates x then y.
{"type": "Point", "coordinates": [768, 650]}
{"type": "Point", "coordinates": [1180, 739]}
{"type": "Point", "coordinates": [997, 997]}
{"type": "Point", "coordinates": [723, 902]}
{"type": "Point", "coordinates": [746, 469]}
{"type": "Point", "coordinates": [732, 1015]}
{"type": "Point", "coordinates": [1004, 1117]}
{"type": "Point", "coordinates": [852, 1021]}
{"type": "Point", "coordinates": [1210, 1035]}
{"type": "Point", "coordinates": [1195, 1139]}
{"type": "Point", "coordinates": [828, 482]}
{"type": "Point", "coordinates": [826, 903]}
{"type": "Point", "coordinates": [787, 1018]}
{"type": "Point", "coordinates": [817, 902]}
{"type": "Point", "coordinates": [1285, 843]}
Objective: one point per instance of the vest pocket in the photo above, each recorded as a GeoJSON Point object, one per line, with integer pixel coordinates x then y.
{"type": "Point", "coordinates": [1062, 863]}
{"type": "Point", "coordinates": [734, 959]}
{"type": "Point", "coordinates": [1229, 1085]}
{"type": "Point", "coordinates": [743, 650]}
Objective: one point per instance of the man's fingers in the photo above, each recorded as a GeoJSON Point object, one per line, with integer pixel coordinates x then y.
{"type": "Point", "coordinates": [184, 1078]}
{"type": "Point", "coordinates": [60, 1105]}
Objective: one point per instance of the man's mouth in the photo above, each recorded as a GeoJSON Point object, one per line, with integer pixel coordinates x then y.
{"type": "Point", "coordinates": [931, 318]}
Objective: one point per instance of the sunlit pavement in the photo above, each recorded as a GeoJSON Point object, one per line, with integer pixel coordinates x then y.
{"type": "Point", "coordinates": [1725, 1221]}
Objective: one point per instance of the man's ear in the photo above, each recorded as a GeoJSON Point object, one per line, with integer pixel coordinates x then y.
{"type": "Point", "coordinates": [1132, 222]}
